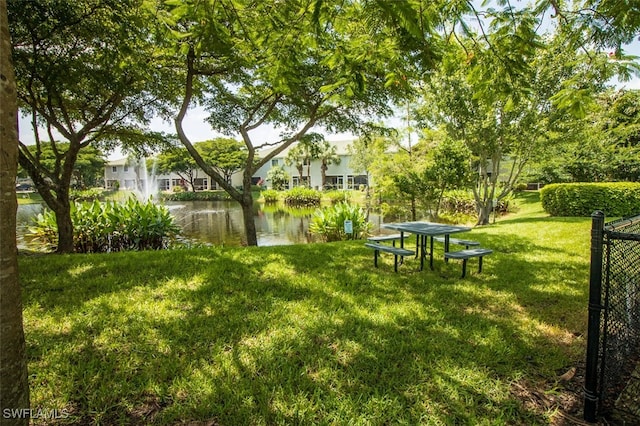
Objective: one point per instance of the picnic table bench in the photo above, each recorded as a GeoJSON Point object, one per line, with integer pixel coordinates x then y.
{"type": "Point", "coordinates": [468, 254]}
{"type": "Point", "coordinates": [388, 237]}
{"type": "Point", "coordinates": [465, 243]}
{"type": "Point", "coordinates": [396, 251]}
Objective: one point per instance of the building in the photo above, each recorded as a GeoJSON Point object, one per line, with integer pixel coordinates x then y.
{"type": "Point", "coordinates": [338, 176]}
{"type": "Point", "coordinates": [127, 175]}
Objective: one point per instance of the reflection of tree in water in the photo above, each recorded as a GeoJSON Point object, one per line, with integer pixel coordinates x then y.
{"type": "Point", "coordinates": [220, 222]}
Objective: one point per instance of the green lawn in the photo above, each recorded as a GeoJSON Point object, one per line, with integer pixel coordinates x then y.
{"type": "Point", "coordinates": [311, 334]}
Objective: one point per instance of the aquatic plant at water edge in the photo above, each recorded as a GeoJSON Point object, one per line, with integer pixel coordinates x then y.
{"type": "Point", "coordinates": [302, 196]}
{"type": "Point", "coordinates": [110, 226]}
{"type": "Point", "coordinates": [270, 195]}
{"type": "Point", "coordinates": [337, 196]}
{"type": "Point", "coordinates": [329, 222]}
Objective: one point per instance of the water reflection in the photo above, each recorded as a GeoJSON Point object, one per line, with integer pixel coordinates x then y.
{"type": "Point", "coordinates": [220, 222]}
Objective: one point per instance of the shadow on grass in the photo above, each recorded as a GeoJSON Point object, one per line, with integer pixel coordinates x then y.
{"type": "Point", "coordinates": [296, 334]}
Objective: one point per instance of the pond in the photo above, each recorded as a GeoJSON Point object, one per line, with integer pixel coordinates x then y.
{"type": "Point", "coordinates": [220, 222]}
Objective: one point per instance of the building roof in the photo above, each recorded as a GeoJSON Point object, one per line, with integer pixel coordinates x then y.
{"type": "Point", "coordinates": [342, 148]}
{"type": "Point", "coordinates": [118, 162]}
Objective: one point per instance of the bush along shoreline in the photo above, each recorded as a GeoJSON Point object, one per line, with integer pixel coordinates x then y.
{"type": "Point", "coordinates": [110, 227]}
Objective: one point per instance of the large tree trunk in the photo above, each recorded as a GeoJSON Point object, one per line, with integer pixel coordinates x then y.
{"type": "Point", "coordinates": [248, 213]}
{"type": "Point", "coordinates": [14, 385]}
{"type": "Point", "coordinates": [65, 225]}
{"type": "Point", "coordinates": [484, 213]}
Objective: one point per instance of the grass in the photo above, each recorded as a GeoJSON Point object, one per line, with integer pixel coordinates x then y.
{"type": "Point", "coordinates": [310, 334]}
{"type": "Point", "coordinates": [29, 198]}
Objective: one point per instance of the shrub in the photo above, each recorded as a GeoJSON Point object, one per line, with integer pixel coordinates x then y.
{"type": "Point", "coordinates": [302, 196]}
{"type": "Point", "coordinates": [338, 196]}
{"type": "Point", "coordinates": [582, 199]}
{"type": "Point", "coordinates": [270, 195]}
{"type": "Point", "coordinates": [86, 194]}
{"type": "Point", "coordinates": [198, 196]}
{"type": "Point", "coordinates": [105, 227]}
{"type": "Point", "coordinates": [459, 202]}
{"type": "Point", "coordinates": [329, 222]}
{"type": "Point", "coordinates": [520, 187]}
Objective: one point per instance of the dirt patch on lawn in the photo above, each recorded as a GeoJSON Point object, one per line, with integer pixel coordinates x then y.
{"type": "Point", "coordinates": [563, 400]}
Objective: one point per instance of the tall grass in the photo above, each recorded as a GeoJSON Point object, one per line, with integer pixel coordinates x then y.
{"type": "Point", "coordinates": [329, 222]}
{"type": "Point", "coordinates": [110, 226]}
{"type": "Point", "coordinates": [311, 334]}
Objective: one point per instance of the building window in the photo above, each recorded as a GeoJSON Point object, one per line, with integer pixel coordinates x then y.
{"type": "Point", "coordinates": [334, 182]}
{"type": "Point", "coordinates": [126, 168]}
{"type": "Point", "coordinates": [354, 182]}
{"type": "Point", "coordinates": [130, 184]}
{"type": "Point", "coordinates": [114, 169]}
{"type": "Point", "coordinates": [274, 162]}
{"type": "Point", "coordinates": [298, 182]}
{"type": "Point", "coordinates": [179, 182]}
{"type": "Point", "coordinates": [200, 184]}
{"type": "Point", "coordinates": [111, 184]}
{"type": "Point", "coordinates": [163, 184]}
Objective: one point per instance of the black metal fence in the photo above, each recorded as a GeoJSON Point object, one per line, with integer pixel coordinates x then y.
{"type": "Point", "coordinates": [613, 341]}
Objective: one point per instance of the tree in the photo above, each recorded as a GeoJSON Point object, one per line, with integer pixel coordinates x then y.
{"type": "Point", "coordinates": [88, 169]}
{"type": "Point", "coordinates": [296, 157]}
{"type": "Point", "coordinates": [177, 160]}
{"type": "Point", "coordinates": [83, 70]}
{"type": "Point", "coordinates": [303, 153]}
{"type": "Point", "coordinates": [507, 122]}
{"type": "Point", "coordinates": [364, 152]}
{"type": "Point", "coordinates": [278, 177]}
{"type": "Point", "coordinates": [14, 385]}
{"type": "Point", "coordinates": [251, 64]}
{"type": "Point", "coordinates": [327, 155]}
{"type": "Point", "coordinates": [227, 156]}
{"type": "Point", "coordinates": [449, 169]}
{"type": "Point", "coordinates": [620, 122]}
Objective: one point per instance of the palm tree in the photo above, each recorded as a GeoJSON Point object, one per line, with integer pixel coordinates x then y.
{"type": "Point", "coordinates": [295, 157]}
{"type": "Point", "coordinates": [327, 155]}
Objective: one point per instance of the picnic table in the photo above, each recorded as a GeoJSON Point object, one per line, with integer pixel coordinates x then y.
{"type": "Point", "coordinates": [422, 230]}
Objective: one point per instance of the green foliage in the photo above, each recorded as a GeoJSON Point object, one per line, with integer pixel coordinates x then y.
{"type": "Point", "coordinates": [337, 196]}
{"type": "Point", "coordinates": [110, 226]}
{"type": "Point", "coordinates": [278, 177]}
{"type": "Point", "coordinates": [197, 196]}
{"type": "Point", "coordinates": [328, 222]}
{"type": "Point", "coordinates": [176, 160]}
{"type": "Point", "coordinates": [582, 199]}
{"type": "Point", "coordinates": [460, 202]}
{"type": "Point", "coordinates": [225, 155]}
{"type": "Point", "coordinates": [86, 194]}
{"type": "Point", "coordinates": [270, 195]}
{"type": "Point", "coordinates": [302, 196]}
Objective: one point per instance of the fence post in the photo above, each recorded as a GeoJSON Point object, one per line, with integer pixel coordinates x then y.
{"type": "Point", "coordinates": [595, 306]}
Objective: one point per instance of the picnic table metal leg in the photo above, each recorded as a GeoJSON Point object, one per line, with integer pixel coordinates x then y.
{"type": "Point", "coordinates": [464, 268]}
{"type": "Point", "coordinates": [430, 252]}
{"type": "Point", "coordinates": [421, 249]}
{"type": "Point", "coordinates": [480, 264]}
{"type": "Point", "coordinates": [375, 258]}
{"type": "Point", "coordinates": [401, 246]}
{"type": "Point", "coordinates": [446, 247]}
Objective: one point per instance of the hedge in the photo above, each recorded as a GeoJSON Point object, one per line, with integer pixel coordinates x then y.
{"type": "Point", "coordinates": [582, 199]}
